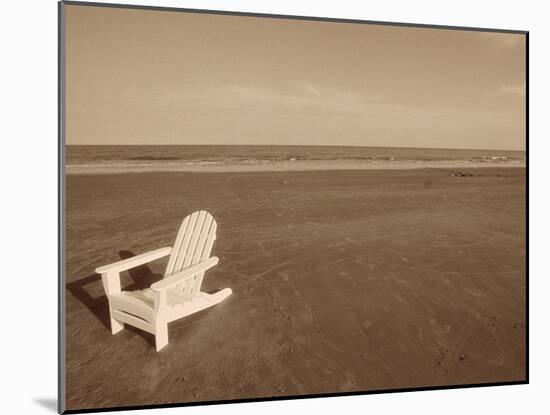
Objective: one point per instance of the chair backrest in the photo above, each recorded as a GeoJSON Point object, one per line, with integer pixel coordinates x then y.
{"type": "Point", "coordinates": [193, 244]}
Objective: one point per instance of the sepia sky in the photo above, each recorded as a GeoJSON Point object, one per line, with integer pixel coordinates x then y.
{"type": "Point", "coordinates": [152, 77]}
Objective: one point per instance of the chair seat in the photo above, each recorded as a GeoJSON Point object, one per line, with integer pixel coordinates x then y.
{"type": "Point", "coordinates": [141, 303]}
{"type": "Point", "coordinates": [146, 297]}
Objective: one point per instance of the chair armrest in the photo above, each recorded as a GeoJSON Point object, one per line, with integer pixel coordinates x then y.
{"type": "Point", "coordinates": [134, 261]}
{"type": "Point", "coordinates": [184, 274]}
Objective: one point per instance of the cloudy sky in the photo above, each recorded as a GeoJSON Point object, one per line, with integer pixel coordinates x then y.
{"type": "Point", "coordinates": [151, 77]}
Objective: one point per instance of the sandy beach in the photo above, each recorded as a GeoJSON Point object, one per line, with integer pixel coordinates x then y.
{"type": "Point", "coordinates": [343, 280]}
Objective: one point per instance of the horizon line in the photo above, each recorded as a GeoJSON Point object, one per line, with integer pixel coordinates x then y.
{"type": "Point", "coordinates": [299, 145]}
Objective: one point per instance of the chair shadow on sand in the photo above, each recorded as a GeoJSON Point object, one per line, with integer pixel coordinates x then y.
{"type": "Point", "coordinates": [142, 277]}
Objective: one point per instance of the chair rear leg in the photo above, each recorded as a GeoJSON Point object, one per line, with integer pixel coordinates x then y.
{"type": "Point", "coordinates": [161, 335]}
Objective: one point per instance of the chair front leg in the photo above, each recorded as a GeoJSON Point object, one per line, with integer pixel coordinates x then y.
{"type": "Point", "coordinates": [161, 320]}
{"type": "Point", "coordinates": [161, 335]}
{"type": "Point", "coordinates": [111, 285]}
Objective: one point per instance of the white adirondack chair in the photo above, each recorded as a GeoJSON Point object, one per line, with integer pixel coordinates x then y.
{"type": "Point", "coordinates": [178, 294]}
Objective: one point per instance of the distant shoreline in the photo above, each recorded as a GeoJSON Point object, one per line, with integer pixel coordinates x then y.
{"type": "Point", "coordinates": [298, 165]}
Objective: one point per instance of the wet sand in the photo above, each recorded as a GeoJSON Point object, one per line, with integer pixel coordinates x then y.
{"type": "Point", "coordinates": [342, 281]}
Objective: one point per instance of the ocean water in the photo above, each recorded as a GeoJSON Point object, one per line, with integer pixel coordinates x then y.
{"type": "Point", "coordinates": [138, 155]}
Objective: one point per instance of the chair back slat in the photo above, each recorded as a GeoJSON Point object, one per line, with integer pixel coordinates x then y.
{"type": "Point", "coordinates": [193, 244]}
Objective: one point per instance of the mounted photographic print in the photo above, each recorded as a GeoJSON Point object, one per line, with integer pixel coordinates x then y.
{"type": "Point", "coordinates": [260, 207]}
